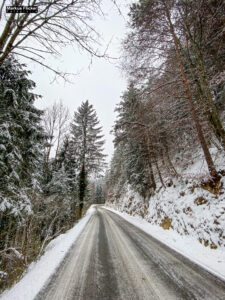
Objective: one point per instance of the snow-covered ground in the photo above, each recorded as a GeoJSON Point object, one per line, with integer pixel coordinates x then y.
{"type": "Point", "coordinates": [185, 214]}
{"type": "Point", "coordinates": [210, 259]}
{"type": "Point", "coordinates": [185, 207]}
{"type": "Point", "coordinates": [40, 272]}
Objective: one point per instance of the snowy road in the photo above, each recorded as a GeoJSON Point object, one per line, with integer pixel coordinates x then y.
{"type": "Point", "coordinates": [113, 259]}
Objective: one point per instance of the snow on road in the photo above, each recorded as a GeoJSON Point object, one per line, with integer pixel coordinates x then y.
{"type": "Point", "coordinates": [210, 259]}
{"type": "Point", "coordinates": [113, 259]}
{"type": "Point", "coordinates": [40, 272]}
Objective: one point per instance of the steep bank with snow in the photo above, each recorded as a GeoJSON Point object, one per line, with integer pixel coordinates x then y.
{"type": "Point", "coordinates": [185, 205]}
{"type": "Point", "coordinates": [211, 260]}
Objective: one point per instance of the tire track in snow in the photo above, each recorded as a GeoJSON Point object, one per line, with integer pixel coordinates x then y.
{"type": "Point", "coordinates": [115, 260]}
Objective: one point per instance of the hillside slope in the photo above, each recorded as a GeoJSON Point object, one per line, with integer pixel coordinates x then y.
{"type": "Point", "coordinates": [187, 205]}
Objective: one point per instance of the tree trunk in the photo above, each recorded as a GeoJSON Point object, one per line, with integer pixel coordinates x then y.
{"type": "Point", "coordinates": [9, 47]}
{"type": "Point", "coordinates": [214, 118]}
{"type": "Point", "coordinates": [201, 137]}
{"type": "Point", "coordinates": [158, 170]}
{"type": "Point", "coordinates": [150, 170]}
{"type": "Point", "coordinates": [16, 237]}
{"type": "Point", "coordinates": [211, 111]}
{"type": "Point", "coordinates": [171, 166]}
{"type": "Point", "coordinates": [7, 31]}
{"type": "Point", "coordinates": [26, 241]}
{"type": "Point", "coordinates": [82, 189]}
{"type": "Point", "coordinates": [7, 240]}
{"type": "Point", "coordinates": [151, 173]}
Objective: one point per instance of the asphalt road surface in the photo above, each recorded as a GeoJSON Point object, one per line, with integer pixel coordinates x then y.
{"type": "Point", "coordinates": [113, 259]}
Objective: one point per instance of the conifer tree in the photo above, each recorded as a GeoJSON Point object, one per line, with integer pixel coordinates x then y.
{"type": "Point", "coordinates": [99, 195]}
{"type": "Point", "coordinates": [21, 157]}
{"type": "Point", "coordinates": [87, 142]}
{"type": "Point", "coordinates": [130, 133]}
{"type": "Point", "coordinates": [64, 167]}
{"type": "Point", "coordinates": [21, 138]}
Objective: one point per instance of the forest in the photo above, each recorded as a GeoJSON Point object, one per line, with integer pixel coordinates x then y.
{"type": "Point", "coordinates": [50, 162]}
{"type": "Point", "coordinates": [170, 118]}
{"type": "Point", "coordinates": [174, 105]}
{"type": "Point", "coordinates": [50, 170]}
{"type": "Point", "coordinates": [169, 140]}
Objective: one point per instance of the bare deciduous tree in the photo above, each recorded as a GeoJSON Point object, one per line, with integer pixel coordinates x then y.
{"type": "Point", "coordinates": [154, 33]}
{"type": "Point", "coordinates": [58, 23]}
{"type": "Point", "coordinates": [62, 125]}
{"type": "Point", "coordinates": [55, 123]}
{"type": "Point", "coordinates": [50, 125]}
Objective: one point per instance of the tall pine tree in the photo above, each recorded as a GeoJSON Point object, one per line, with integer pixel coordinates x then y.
{"type": "Point", "coordinates": [87, 142]}
{"type": "Point", "coordinates": [21, 138]}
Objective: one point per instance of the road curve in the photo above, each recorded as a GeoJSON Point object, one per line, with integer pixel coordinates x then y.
{"type": "Point", "coordinates": [113, 260]}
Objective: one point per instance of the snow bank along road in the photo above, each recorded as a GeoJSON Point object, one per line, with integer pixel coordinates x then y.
{"type": "Point", "coordinates": [112, 259]}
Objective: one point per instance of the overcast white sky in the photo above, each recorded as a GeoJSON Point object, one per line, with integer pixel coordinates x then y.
{"type": "Point", "coordinates": [102, 84]}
